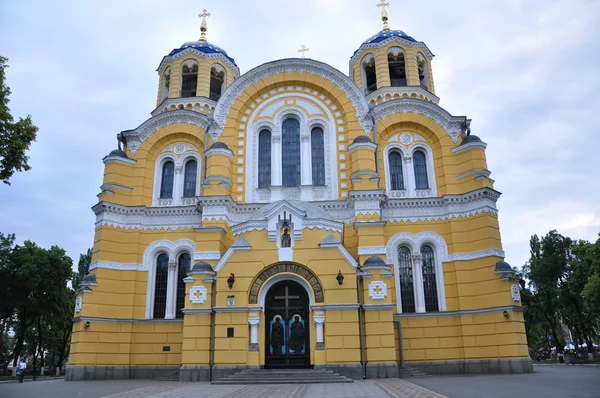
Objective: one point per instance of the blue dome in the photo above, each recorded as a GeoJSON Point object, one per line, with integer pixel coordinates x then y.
{"type": "Point", "coordinates": [386, 34]}
{"type": "Point", "coordinates": [203, 46]}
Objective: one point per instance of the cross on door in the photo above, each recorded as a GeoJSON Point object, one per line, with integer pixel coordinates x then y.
{"type": "Point", "coordinates": [287, 297]}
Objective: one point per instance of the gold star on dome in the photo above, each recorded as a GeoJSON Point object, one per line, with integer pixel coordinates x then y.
{"type": "Point", "coordinates": [204, 14]}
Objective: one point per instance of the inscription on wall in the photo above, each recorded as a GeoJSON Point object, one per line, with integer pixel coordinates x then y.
{"type": "Point", "coordinates": [289, 268]}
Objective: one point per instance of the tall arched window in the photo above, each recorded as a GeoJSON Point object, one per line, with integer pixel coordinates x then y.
{"type": "Point", "coordinates": [397, 68]}
{"type": "Point", "coordinates": [166, 183]}
{"type": "Point", "coordinates": [185, 262]}
{"type": "Point", "coordinates": [189, 79]}
{"type": "Point", "coordinates": [189, 178]}
{"type": "Point", "coordinates": [396, 176]}
{"type": "Point", "coordinates": [318, 157]}
{"type": "Point", "coordinates": [264, 159]}
{"type": "Point", "coordinates": [370, 79]}
{"type": "Point", "coordinates": [429, 281]}
{"type": "Point", "coordinates": [420, 164]}
{"type": "Point", "coordinates": [290, 153]}
{"type": "Point", "coordinates": [166, 84]}
{"type": "Point", "coordinates": [217, 77]}
{"type": "Point", "coordinates": [423, 74]}
{"type": "Point", "coordinates": [407, 292]}
{"type": "Point", "coordinates": [160, 286]}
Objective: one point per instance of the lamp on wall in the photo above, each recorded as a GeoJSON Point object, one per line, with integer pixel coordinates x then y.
{"type": "Point", "coordinates": [340, 278]}
{"type": "Point", "coordinates": [231, 280]}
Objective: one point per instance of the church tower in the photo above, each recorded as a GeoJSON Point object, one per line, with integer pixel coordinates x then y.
{"type": "Point", "coordinates": [296, 217]}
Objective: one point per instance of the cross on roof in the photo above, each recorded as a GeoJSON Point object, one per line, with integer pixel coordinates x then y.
{"type": "Point", "coordinates": [303, 49]}
{"type": "Point", "coordinates": [384, 16]}
{"type": "Point", "coordinates": [204, 14]}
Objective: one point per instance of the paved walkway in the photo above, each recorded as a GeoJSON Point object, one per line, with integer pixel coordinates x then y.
{"type": "Point", "coordinates": [546, 382]}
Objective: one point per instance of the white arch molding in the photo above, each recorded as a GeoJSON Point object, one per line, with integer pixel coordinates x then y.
{"type": "Point", "coordinates": [264, 289]}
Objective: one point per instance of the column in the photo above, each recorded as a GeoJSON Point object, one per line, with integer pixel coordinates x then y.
{"type": "Point", "coordinates": [409, 176]}
{"type": "Point", "coordinates": [418, 282]}
{"type": "Point", "coordinates": [171, 290]}
{"type": "Point", "coordinates": [254, 322]}
{"type": "Point", "coordinates": [276, 168]}
{"type": "Point", "coordinates": [319, 319]}
{"type": "Point", "coordinates": [306, 168]}
{"type": "Point", "coordinates": [177, 185]}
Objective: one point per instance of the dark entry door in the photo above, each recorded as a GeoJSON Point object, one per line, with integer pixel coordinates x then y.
{"type": "Point", "coordinates": [287, 326]}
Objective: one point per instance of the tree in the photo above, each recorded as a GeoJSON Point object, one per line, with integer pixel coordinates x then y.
{"type": "Point", "coordinates": [15, 138]}
{"type": "Point", "coordinates": [83, 268]}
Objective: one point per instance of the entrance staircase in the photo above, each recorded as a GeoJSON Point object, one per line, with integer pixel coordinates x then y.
{"type": "Point", "coordinates": [406, 372]}
{"type": "Point", "coordinates": [283, 376]}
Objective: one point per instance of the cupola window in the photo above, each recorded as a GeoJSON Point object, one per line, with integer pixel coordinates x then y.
{"type": "Point", "coordinates": [217, 78]}
{"type": "Point", "coordinates": [407, 292]}
{"type": "Point", "coordinates": [264, 159]}
{"type": "Point", "coordinates": [423, 75]}
{"type": "Point", "coordinates": [189, 79]}
{"type": "Point", "coordinates": [166, 84]}
{"type": "Point", "coordinates": [166, 184]}
{"type": "Point", "coordinates": [370, 75]}
{"type": "Point", "coordinates": [318, 157]}
{"type": "Point", "coordinates": [420, 165]}
{"type": "Point", "coordinates": [397, 67]}
{"type": "Point", "coordinates": [396, 175]}
{"type": "Point", "coordinates": [290, 154]}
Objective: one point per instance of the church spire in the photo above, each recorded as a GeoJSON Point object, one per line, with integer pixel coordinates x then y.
{"type": "Point", "coordinates": [203, 15]}
{"type": "Point", "coordinates": [384, 16]}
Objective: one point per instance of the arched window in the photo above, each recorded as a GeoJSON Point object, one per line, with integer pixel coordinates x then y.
{"type": "Point", "coordinates": [185, 262]}
{"type": "Point", "coordinates": [160, 286]}
{"type": "Point", "coordinates": [318, 157]}
{"type": "Point", "coordinates": [423, 74]}
{"type": "Point", "coordinates": [420, 164]}
{"type": "Point", "coordinates": [166, 183]}
{"type": "Point", "coordinates": [290, 153]}
{"type": "Point", "coordinates": [407, 292]}
{"type": "Point", "coordinates": [396, 176]}
{"type": "Point", "coordinates": [189, 178]}
{"type": "Point", "coordinates": [217, 77]}
{"type": "Point", "coordinates": [370, 77]}
{"type": "Point", "coordinates": [264, 159]}
{"type": "Point", "coordinates": [397, 67]}
{"type": "Point", "coordinates": [189, 79]}
{"type": "Point", "coordinates": [166, 84]}
{"type": "Point", "coordinates": [429, 281]}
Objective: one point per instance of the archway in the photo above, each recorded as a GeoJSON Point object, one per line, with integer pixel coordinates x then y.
{"type": "Point", "coordinates": [287, 334]}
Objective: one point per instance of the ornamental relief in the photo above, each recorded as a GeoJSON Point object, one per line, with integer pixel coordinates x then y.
{"type": "Point", "coordinates": [305, 273]}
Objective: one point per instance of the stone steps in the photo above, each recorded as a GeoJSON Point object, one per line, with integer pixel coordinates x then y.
{"type": "Point", "coordinates": [408, 372]}
{"type": "Point", "coordinates": [283, 376]}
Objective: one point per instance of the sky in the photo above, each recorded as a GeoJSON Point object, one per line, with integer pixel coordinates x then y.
{"type": "Point", "coordinates": [525, 71]}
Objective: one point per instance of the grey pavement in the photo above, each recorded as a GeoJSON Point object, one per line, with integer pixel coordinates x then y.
{"type": "Point", "coordinates": [546, 382]}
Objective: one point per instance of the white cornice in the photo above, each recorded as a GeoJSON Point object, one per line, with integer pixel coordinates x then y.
{"type": "Point", "coordinates": [361, 145]}
{"type": "Point", "coordinates": [292, 65]}
{"type": "Point", "coordinates": [200, 54]}
{"type": "Point", "coordinates": [118, 159]}
{"type": "Point", "coordinates": [136, 137]}
{"type": "Point", "coordinates": [470, 145]}
{"type": "Point", "coordinates": [219, 151]}
{"type": "Point", "coordinates": [452, 124]}
{"type": "Point", "coordinates": [408, 90]}
{"type": "Point", "coordinates": [146, 218]}
{"type": "Point", "coordinates": [117, 266]}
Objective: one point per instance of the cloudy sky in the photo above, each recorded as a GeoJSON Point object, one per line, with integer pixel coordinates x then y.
{"type": "Point", "coordinates": [526, 71]}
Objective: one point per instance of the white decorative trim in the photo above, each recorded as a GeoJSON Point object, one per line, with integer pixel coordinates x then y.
{"type": "Point", "coordinates": [476, 173]}
{"type": "Point", "coordinates": [136, 137]}
{"type": "Point", "coordinates": [377, 290]}
{"type": "Point", "coordinates": [146, 218]}
{"type": "Point", "coordinates": [119, 159]}
{"type": "Point", "coordinates": [204, 256]}
{"type": "Point", "coordinates": [198, 294]}
{"type": "Point", "coordinates": [384, 94]}
{"type": "Point", "coordinates": [330, 242]}
{"type": "Point", "coordinates": [515, 292]}
{"type": "Point", "coordinates": [112, 187]}
{"type": "Point", "coordinates": [470, 145]}
{"type": "Point", "coordinates": [200, 54]}
{"type": "Point", "coordinates": [453, 125]}
{"type": "Point", "coordinates": [393, 39]}
{"type": "Point", "coordinates": [117, 266]}
{"type": "Point", "coordinates": [361, 145]}
{"type": "Point", "coordinates": [408, 172]}
{"type": "Point", "coordinates": [219, 151]}
{"type": "Point", "coordinates": [78, 304]}
{"type": "Point", "coordinates": [371, 250]}
{"type": "Point", "coordinates": [239, 245]}
{"type": "Point", "coordinates": [308, 66]}
{"type": "Point", "coordinates": [264, 289]}
{"type": "Point", "coordinates": [475, 255]}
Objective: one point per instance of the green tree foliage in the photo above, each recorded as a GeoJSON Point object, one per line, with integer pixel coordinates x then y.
{"type": "Point", "coordinates": [15, 138]}
{"type": "Point", "coordinates": [83, 268]}
{"type": "Point", "coordinates": [561, 290]}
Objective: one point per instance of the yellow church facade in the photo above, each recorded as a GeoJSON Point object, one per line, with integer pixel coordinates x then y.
{"type": "Point", "coordinates": [294, 216]}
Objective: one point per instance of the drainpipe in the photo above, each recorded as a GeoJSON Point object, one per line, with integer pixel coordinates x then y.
{"type": "Point", "coordinates": [400, 342]}
{"type": "Point", "coordinates": [376, 142]}
{"type": "Point", "coordinates": [213, 318]}
{"type": "Point", "coordinates": [361, 328]}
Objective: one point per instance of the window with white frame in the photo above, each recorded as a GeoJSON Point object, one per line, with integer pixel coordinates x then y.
{"type": "Point", "coordinates": [183, 267]}
{"type": "Point", "coordinates": [264, 159]}
{"type": "Point", "coordinates": [430, 293]}
{"type": "Point", "coordinates": [176, 176]}
{"type": "Point", "coordinates": [161, 285]}
{"type": "Point", "coordinates": [396, 173]}
{"type": "Point", "coordinates": [409, 170]}
{"type": "Point", "coordinates": [405, 270]}
{"type": "Point", "coordinates": [420, 166]}
{"type": "Point", "coordinates": [290, 153]}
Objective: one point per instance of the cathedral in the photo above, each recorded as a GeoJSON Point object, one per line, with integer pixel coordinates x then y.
{"type": "Point", "coordinates": [295, 216]}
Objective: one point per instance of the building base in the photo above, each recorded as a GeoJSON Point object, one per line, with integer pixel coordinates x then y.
{"type": "Point", "coordinates": [483, 366]}
{"type": "Point", "coordinates": [75, 373]}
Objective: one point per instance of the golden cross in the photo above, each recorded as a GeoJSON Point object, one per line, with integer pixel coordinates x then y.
{"type": "Point", "coordinates": [303, 50]}
{"type": "Point", "coordinates": [384, 16]}
{"type": "Point", "coordinates": [204, 14]}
